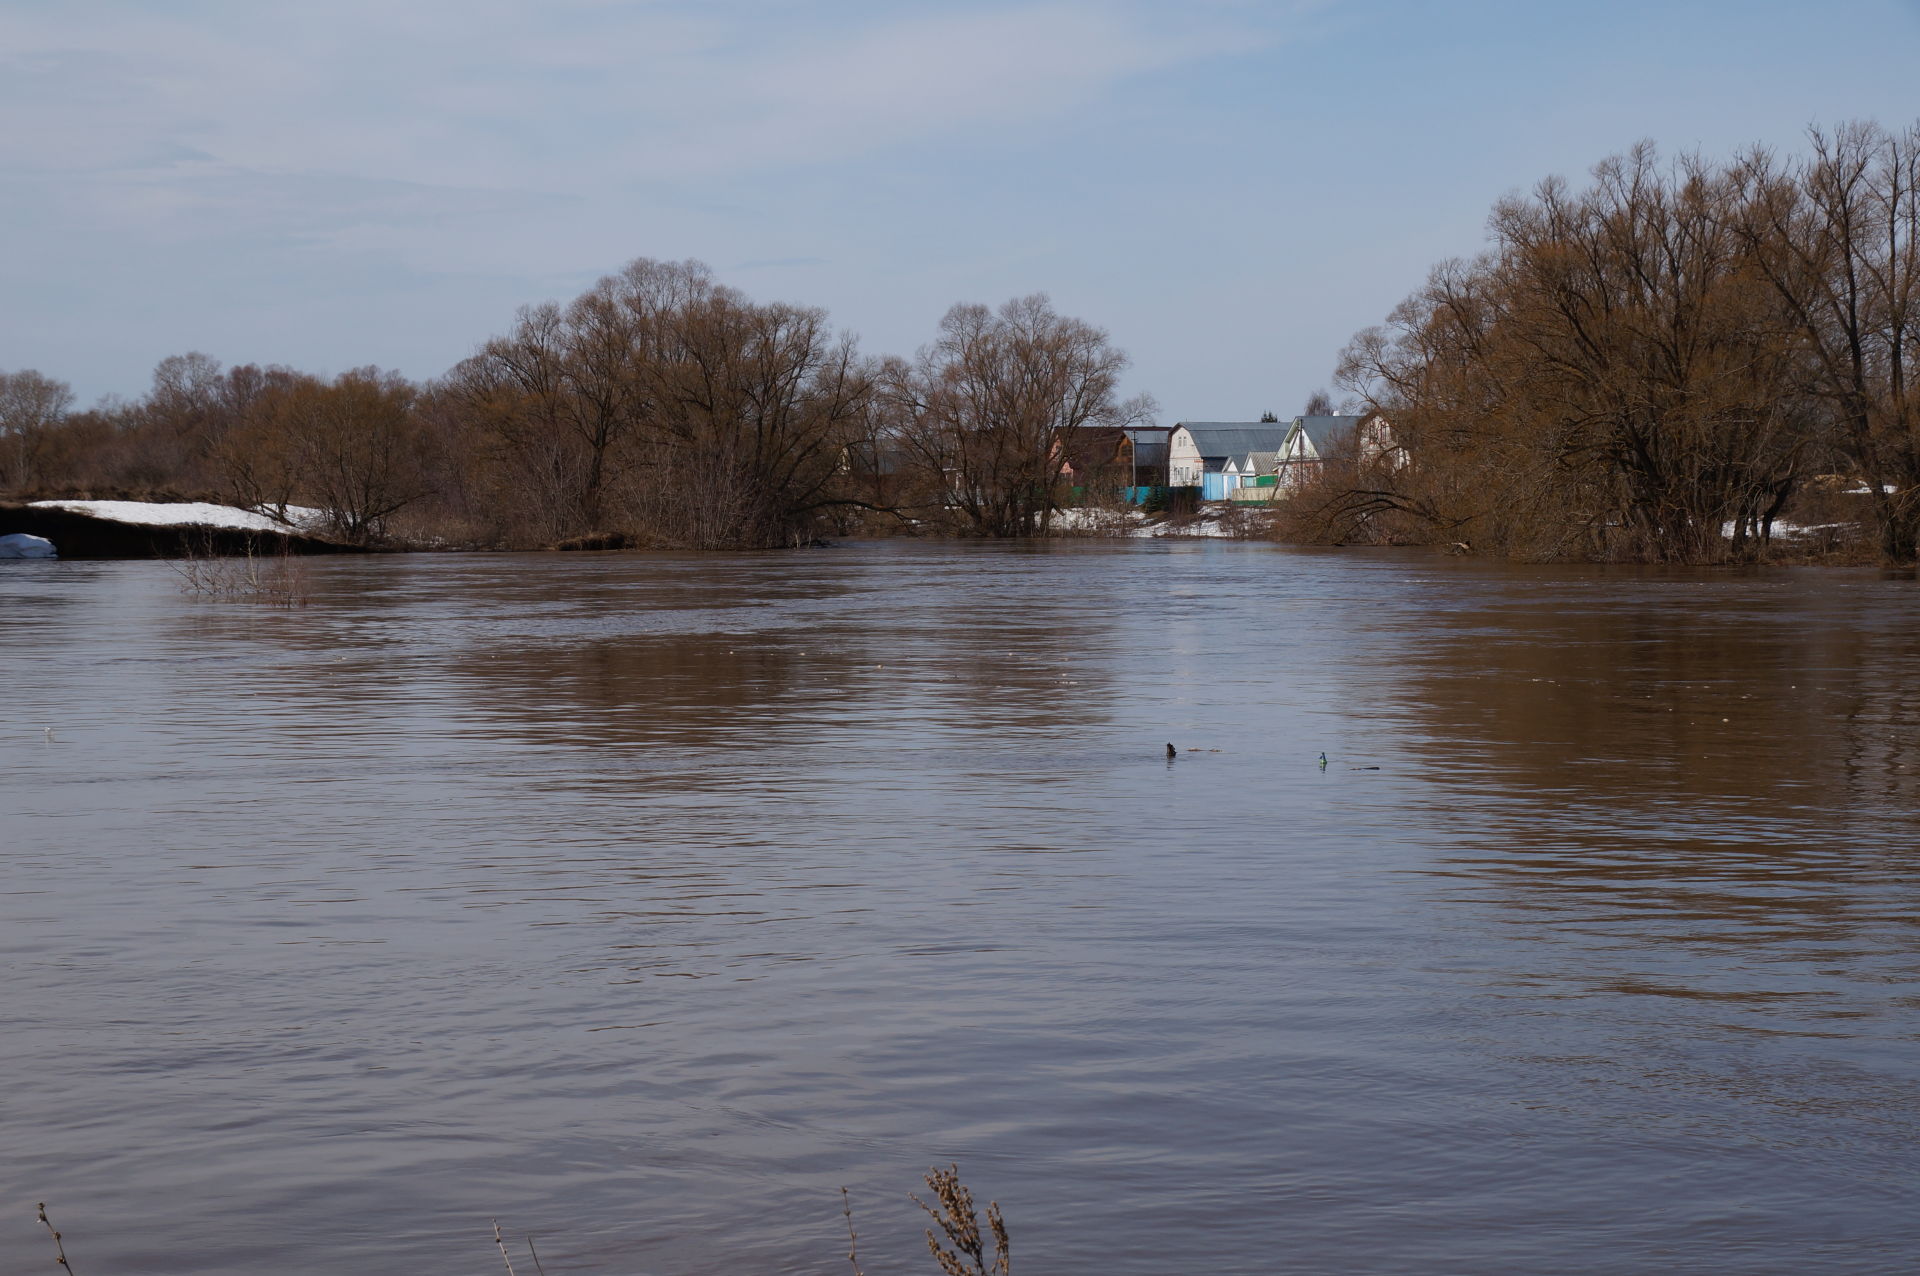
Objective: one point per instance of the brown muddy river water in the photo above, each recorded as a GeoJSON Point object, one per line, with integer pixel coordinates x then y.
{"type": "Point", "coordinates": [642, 901]}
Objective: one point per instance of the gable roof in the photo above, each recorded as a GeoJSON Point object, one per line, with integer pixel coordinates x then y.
{"type": "Point", "coordinates": [1234, 438]}
{"type": "Point", "coordinates": [869, 456]}
{"type": "Point", "coordinates": [1322, 431]}
{"type": "Point", "coordinates": [1085, 447]}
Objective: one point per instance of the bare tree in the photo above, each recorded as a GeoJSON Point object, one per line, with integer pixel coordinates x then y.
{"type": "Point", "coordinates": [358, 449]}
{"type": "Point", "coordinates": [674, 406]}
{"type": "Point", "coordinates": [753, 409]}
{"type": "Point", "coordinates": [31, 407]}
{"type": "Point", "coordinates": [1838, 235]}
{"type": "Point", "coordinates": [1610, 380]}
{"type": "Point", "coordinates": [562, 387]}
{"type": "Point", "coordinates": [1650, 352]}
{"type": "Point", "coordinates": [252, 447]}
{"type": "Point", "coordinates": [981, 407]}
{"type": "Point", "coordinates": [181, 420]}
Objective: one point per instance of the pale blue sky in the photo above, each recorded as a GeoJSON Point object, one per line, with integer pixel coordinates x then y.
{"type": "Point", "coordinates": [1231, 187]}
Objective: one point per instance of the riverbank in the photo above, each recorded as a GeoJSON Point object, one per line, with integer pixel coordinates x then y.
{"type": "Point", "coordinates": [133, 528]}
{"type": "Point", "coordinates": [167, 529]}
{"type": "Point", "coordinates": [109, 529]}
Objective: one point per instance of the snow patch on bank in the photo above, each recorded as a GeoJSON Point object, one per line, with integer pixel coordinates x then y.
{"type": "Point", "coordinates": [1217, 524]}
{"type": "Point", "coordinates": [1110, 522]}
{"type": "Point", "coordinates": [1782, 530]}
{"type": "Point", "coordinates": [1214, 524]}
{"type": "Point", "coordinates": [300, 518]}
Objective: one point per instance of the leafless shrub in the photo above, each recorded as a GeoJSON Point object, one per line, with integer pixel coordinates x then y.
{"type": "Point", "coordinates": [279, 579]}
{"type": "Point", "coordinates": [593, 541]}
{"type": "Point", "coordinates": [1245, 520]}
{"type": "Point", "coordinates": [1349, 501]}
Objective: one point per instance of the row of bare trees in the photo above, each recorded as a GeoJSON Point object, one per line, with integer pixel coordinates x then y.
{"type": "Point", "coordinates": [658, 407]}
{"type": "Point", "coordinates": [1634, 368]}
{"type": "Point", "coordinates": [267, 438]}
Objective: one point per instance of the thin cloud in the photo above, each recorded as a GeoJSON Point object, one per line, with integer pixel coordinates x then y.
{"type": "Point", "coordinates": [276, 156]}
{"type": "Point", "coordinates": [520, 94]}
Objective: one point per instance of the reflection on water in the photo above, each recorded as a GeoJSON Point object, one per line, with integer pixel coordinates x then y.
{"type": "Point", "coordinates": [644, 900]}
{"type": "Point", "coordinates": [1741, 773]}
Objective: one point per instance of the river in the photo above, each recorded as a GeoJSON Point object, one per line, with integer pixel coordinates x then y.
{"type": "Point", "coordinates": [642, 902]}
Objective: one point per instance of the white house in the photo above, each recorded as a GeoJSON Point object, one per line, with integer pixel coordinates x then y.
{"type": "Point", "coordinates": [1311, 440]}
{"type": "Point", "coordinates": [1200, 452]}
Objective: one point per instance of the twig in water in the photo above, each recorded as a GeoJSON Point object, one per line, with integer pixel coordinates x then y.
{"type": "Point", "coordinates": [58, 1249]}
{"type": "Point", "coordinates": [536, 1256]}
{"type": "Point", "coordinates": [853, 1237]}
{"type": "Point", "coordinates": [503, 1247]}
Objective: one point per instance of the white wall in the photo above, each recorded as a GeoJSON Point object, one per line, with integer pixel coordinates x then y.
{"type": "Point", "coordinates": [1184, 465]}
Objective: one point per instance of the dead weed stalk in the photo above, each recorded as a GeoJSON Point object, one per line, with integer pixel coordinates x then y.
{"type": "Point", "coordinates": [59, 1250]}
{"type": "Point", "coordinates": [957, 1218]}
{"type": "Point", "coordinates": [853, 1237]}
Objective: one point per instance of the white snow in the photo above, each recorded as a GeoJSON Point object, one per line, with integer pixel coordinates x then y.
{"type": "Point", "coordinates": [21, 545]}
{"type": "Point", "coordinates": [1784, 530]}
{"type": "Point", "coordinates": [1213, 523]}
{"type": "Point", "coordinates": [190, 514]}
{"type": "Point", "coordinates": [1210, 523]}
{"type": "Point", "coordinates": [1089, 519]}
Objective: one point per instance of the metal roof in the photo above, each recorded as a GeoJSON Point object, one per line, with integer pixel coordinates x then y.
{"type": "Point", "coordinates": [1235, 438]}
{"type": "Point", "coordinates": [1321, 431]}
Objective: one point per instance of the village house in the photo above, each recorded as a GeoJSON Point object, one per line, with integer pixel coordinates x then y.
{"type": "Point", "coordinates": [1313, 440]}
{"type": "Point", "coordinates": [1094, 457]}
{"type": "Point", "coordinates": [1241, 461]}
{"type": "Point", "coordinates": [1249, 477]}
{"type": "Point", "coordinates": [1149, 455]}
{"type": "Point", "coordinates": [1218, 456]}
{"type": "Point", "coordinates": [1125, 461]}
{"type": "Point", "coordinates": [880, 472]}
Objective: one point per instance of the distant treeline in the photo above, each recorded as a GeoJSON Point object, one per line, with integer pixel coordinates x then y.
{"type": "Point", "coordinates": [1675, 350]}
{"type": "Point", "coordinates": [1656, 367]}
{"type": "Point", "coordinates": [657, 408]}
